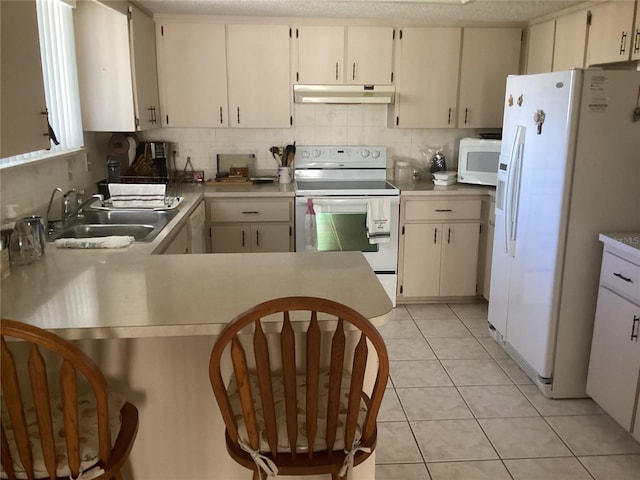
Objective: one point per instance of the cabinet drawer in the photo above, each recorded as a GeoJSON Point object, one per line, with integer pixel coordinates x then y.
{"type": "Point", "coordinates": [621, 275]}
{"type": "Point", "coordinates": [250, 211]}
{"type": "Point", "coordinates": [442, 210]}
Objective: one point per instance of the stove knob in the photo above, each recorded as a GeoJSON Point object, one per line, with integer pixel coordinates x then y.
{"type": "Point", "coordinates": [376, 154]}
{"type": "Point", "coordinates": [305, 154]}
{"type": "Point", "coordinates": [315, 153]}
{"type": "Point", "coordinates": [365, 153]}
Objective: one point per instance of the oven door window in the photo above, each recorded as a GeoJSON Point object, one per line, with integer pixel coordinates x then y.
{"type": "Point", "coordinates": [343, 232]}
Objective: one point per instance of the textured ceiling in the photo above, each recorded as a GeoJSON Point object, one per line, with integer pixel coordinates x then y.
{"type": "Point", "coordinates": [429, 12]}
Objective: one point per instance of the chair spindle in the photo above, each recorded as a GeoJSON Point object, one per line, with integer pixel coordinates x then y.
{"type": "Point", "coordinates": [263, 369]}
{"type": "Point", "coordinates": [288, 348]}
{"type": "Point", "coordinates": [313, 378]}
{"type": "Point", "coordinates": [239, 361]}
{"type": "Point", "coordinates": [335, 382]}
{"type": "Point", "coordinates": [355, 391]}
{"type": "Point", "coordinates": [69, 391]}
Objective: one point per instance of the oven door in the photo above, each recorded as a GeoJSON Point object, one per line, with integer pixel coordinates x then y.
{"type": "Point", "coordinates": [340, 225]}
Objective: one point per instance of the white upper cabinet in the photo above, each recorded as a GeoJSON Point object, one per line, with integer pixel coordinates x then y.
{"type": "Point", "coordinates": [258, 66]}
{"type": "Point", "coordinates": [24, 125]}
{"type": "Point", "coordinates": [611, 34]}
{"type": "Point", "coordinates": [109, 61]}
{"type": "Point", "coordinates": [540, 51]}
{"type": "Point", "coordinates": [193, 74]}
{"type": "Point", "coordinates": [330, 54]}
{"type": "Point", "coordinates": [483, 74]}
{"type": "Point", "coordinates": [142, 35]}
{"type": "Point", "coordinates": [635, 55]}
{"type": "Point", "coordinates": [427, 71]}
{"type": "Point", "coordinates": [320, 54]}
{"type": "Point", "coordinates": [369, 55]}
{"type": "Point", "coordinates": [570, 41]}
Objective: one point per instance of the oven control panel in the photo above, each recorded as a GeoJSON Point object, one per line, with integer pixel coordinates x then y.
{"type": "Point", "coordinates": [315, 156]}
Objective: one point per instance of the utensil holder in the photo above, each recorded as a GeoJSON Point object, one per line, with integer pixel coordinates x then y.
{"type": "Point", "coordinates": [285, 174]}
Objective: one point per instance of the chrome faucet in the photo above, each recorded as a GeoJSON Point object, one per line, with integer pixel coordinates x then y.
{"type": "Point", "coordinates": [78, 209]}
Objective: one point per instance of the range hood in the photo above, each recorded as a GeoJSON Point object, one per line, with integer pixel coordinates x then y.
{"type": "Point", "coordinates": [343, 93]}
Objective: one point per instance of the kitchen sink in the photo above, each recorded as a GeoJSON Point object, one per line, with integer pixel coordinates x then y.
{"type": "Point", "coordinates": [142, 225]}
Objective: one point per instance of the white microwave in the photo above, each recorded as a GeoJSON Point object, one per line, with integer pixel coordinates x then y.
{"type": "Point", "coordinates": [478, 161]}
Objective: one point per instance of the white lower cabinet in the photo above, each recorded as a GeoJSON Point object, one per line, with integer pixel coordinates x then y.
{"type": "Point", "coordinates": [439, 246]}
{"type": "Point", "coordinates": [180, 242]}
{"type": "Point", "coordinates": [244, 225]}
{"type": "Point", "coordinates": [614, 367]}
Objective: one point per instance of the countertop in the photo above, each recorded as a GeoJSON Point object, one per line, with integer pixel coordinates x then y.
{"type": "Point", "coordinates": [97, 294]}
{"type": "Point", "coordinates": [627, 243]}
{"type": "Point", "coordinates": [426, 187]}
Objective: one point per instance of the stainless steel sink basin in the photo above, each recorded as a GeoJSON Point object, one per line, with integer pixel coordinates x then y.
{"type": "Point", "coordinates": [142, 225]}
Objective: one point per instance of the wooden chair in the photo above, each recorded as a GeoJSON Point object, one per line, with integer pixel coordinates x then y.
{"type": "Point", "coordinates": [48, 437]}
{"type": "Point", "coordinates": [299, 419]}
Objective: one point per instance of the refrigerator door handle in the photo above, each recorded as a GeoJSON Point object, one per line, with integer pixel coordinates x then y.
{"type": "Point", "coordinates": [513, 191]}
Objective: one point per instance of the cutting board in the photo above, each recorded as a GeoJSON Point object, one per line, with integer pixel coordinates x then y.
{"type": "Point", "coordinates": [239, 160]}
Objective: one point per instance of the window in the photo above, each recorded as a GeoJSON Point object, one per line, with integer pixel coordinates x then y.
{"type": "Point", "coordinates": [58, 54]}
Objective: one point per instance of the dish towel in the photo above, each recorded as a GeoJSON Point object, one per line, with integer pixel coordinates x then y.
{"type": "Point", "coordinates": [137, 195]}
{"type": "Point", "coordinates": [379, 220]}
{"type": "Point", "coordinates": [114, 241]}
{"type": "Point", "coordinates": [310, 232]}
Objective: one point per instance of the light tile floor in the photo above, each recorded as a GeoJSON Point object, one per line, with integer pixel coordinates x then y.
{"type": "Point", "coordinates": [458, 408]}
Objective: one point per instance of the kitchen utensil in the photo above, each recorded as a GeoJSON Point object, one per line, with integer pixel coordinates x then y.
{"type": "Point", "coordinates": [289, 155]}
{"type": "Point", "coordinates": [277, 154]}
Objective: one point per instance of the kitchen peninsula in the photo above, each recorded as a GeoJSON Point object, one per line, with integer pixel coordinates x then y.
{"type": "Point", "coordinates": [150, 321]}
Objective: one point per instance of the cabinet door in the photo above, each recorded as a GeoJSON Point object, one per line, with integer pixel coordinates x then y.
{"type": "Point", "coordinates": [421, 260]}
{"type": "Point", "coordinates": [320, 54]}
{"type": "Point", "coordinates": [540, 47]}
{"type": "Point", "coordinates": [24, 127]}
{"type": "Point", "coordinates": [267, 237]}
{"type": "Point", "coordinates": [180, 243]}
{"type": "Point", "coordinates": [427, 82]}
{"type": "Point", "coordinates": [142, 34]}
{"type": "Point", "coordinates": [615, 358]}
{"type": "Point", "coordinates": [193, 75]}
{"type": "Point", "coordinates": [369, 55]}
{"type": "Point", "coordinates": [197, 220]}
{"type": "Point", "coordinates": [635, 55]}
{"type": "Point", "coordinates": [459, 264]}
{"type": "Point", "coordinates": [571, 41]}
{"type": "Point", "coordinates": [259, 74]}
{"type": "Point", "coordinates": [230, 239]}
{"type": "Point", "coordinates": [104, 68]}
{"type": "Point", "coordinates": [610, 33]}
{"type": "Point", "coordinates": [483, 74]}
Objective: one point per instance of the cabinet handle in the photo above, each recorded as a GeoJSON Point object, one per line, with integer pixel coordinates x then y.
{"type": "Point", "coordinates": [258, 238]}
{"type": "Point", "coordinates": [435, 235]}
{"type": "Point", "coordinates": [250, 212]}
{"type": "Point", "coordinates": [619, 275]}
{"type": "Point", "coordinates": [634, 331]}
{"type": "Point", "coordinates": [449, 118]}
{"type": "Point", "coordinates": [623, 43]}
{"type": "Point", "coordinates": [238, 115]}
{"type": "Point", "coordinates": [243, 238]}
{"type": "Point", "coordinates": [443, 210]}
{"type": "Point", "coordinates": [336, 70]}
{"type": "Point", "coordinates": [353, 77]}
{"type": "Point", "coordinates": [466, 116]}
{"type": "Point", "coordinates": [636, 43]}
{"type": "Point", "coordinates": [449, 236]}
{"type": "Point", "coordinates": [221, 118]}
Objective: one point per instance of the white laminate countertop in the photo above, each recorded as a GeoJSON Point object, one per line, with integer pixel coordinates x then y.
{"type": "Point", "coordinates": [627, 243]}
{"type": "Point", "coordinates": [99, 294]}
{"type": "Point", "coordinates": [426, 188]}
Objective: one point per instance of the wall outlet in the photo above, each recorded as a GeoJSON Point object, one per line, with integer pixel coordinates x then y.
{"type": "Point", "coordinates": [175, 147]}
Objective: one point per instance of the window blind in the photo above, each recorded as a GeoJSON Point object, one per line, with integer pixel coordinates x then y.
{"type": "Point", "coordinates": [58, 55]}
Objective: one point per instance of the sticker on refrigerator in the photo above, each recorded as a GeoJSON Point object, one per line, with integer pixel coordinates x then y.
{"type": "Point", "coordinates": [538, 119]}
{"type": "Point", "coordinates": [598, 100]}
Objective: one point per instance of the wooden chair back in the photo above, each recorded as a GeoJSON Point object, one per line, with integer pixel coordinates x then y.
{"type": "Point", "coordinates": [310, 461]}
{"type": "Point", "coordinates": [73, 363]}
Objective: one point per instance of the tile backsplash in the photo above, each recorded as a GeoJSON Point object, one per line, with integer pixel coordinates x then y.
{"type": "Point", "coordinates": [313, 125]}
{"type": "Point", "coordinates": [29, 187]}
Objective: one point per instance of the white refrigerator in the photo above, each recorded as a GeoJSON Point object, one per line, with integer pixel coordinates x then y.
{"type": "Point", "coordinates": [569, 169]}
